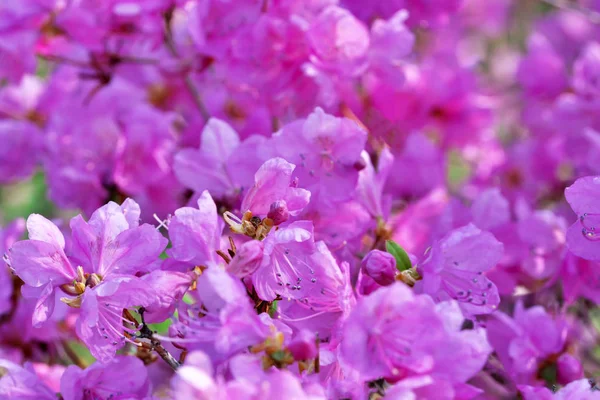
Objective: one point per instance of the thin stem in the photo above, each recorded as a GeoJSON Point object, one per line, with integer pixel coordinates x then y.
{"type": "Point", "coordinates": [72, 355]}
{"type": "Point", "coordinates": [156, 345]}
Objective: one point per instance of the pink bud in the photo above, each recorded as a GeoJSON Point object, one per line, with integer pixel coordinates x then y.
{"type": "Point", "coordinates": [380, 266]}
{"type": "Point", "coordinates": [360, 164]}
{"type": "Point", "coordinates": [278, 212]}
{"type": "Point", "coordinates": [568, 369]}
{"type": "Point", "coordinates": [303, 346]}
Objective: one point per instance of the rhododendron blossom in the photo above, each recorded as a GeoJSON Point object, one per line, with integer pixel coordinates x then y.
{"type": "Point", "coordinates": [299, 199]}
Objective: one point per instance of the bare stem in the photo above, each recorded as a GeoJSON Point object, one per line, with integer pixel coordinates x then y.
{"type": "Point", "coordinates": [72, 355]}
{"type": "Point", "coordinates": [156, 345]}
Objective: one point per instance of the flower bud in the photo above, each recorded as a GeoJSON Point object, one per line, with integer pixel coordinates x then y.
{"type": "Point", "coordinates": [303, 346]}
{"type": "Point", "coordinates": [380, 266]}
{"type": "Point", "coordinates": [568, 369]}
{"type": "Point", "coordinates": [360, 164]}
{"type": "Point", "coordinates": [278, 212]}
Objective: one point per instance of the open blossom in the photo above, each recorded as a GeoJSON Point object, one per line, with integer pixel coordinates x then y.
{"type": "Point", "coordinates": [326, 151]}
{"type": "Point", "coordinates": [223, 164]}
{"type": "Point", "coordinates": [371, 183]}
{"type": "Point", "coordinates": [108, 251]}
{"type": "Point", "coordinates": [526, 340]}
{"type": "Point", "coordinates": [273, 192]}
{"type": "Point", "coordinates": [195, 233]}
{"type": "Point", "coordinates": [222, 322]}
{"type": "Point", "coordinates": [281, 145]}
{"type": "Point", "coordinates": [393, 333]}
{"type": "Point", "coordinates": [105, 380]}
{"type": "Point", "coordinates": [455, 269]}
{"type": "Point", "coordinates": [196, 379]}
{"type": "Point", "coordinates": [19, 382]}
{"type": "Point", "coordinates": [582, 238]}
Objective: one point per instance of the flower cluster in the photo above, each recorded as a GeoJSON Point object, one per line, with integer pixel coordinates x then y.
{"type": "Point", "coordinates": [300, 199]}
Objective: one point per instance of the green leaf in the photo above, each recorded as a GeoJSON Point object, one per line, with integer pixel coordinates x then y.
{"type": "Point", "coordinates": [273, 309]}
{"type": "Point", "coordinates": [402, 261]}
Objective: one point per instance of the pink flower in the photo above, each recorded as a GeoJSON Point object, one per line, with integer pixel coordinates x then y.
{"type": "Point", "coordinates": [393, 333]}
{"type": "Point", "coordinates": [582, 238]}
{"type": "Point", "coordinates": [455, 269]}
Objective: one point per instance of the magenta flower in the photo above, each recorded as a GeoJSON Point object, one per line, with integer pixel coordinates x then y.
{"type": "Point", "coordinates": [222, 321]}
{"type": "Point", "coordinates": [583, 198]}
{"type": "Point", "coordinates": [371, 183]}
{"type": "Point", "coordinates": [580, 278]}
{"type": "Point", "coordinates": [455, 270]}
{"type": "Point", "coordinates": [393, 333]}
{"type": "Point", "coordinates": [339, 41]}
{"type": "Point", "coordinates": [196, 233]}
{"type": "Point", "coordinates": [586, 80]}
{"type": "Point", "coordinates": [18, 382]}
{"type": "Point", "coordinates": [21, 143]}
{"type": "Point", "coordinates": [223, 164]}
{"type": "Point", "coordinates": [122, 377]}
{"type": "Point", "coordinates": [273, 192]}
{"type": "Point", "coordinates": [109, 250]}
{"type": "Point", "coordinates": [42, 264]}
{"type": "Point", "coordinates": [113, 242]}
{"type": "Point", "coordinates": [527, 339]}
{"type": "Point", "coordinates": [326, 151]}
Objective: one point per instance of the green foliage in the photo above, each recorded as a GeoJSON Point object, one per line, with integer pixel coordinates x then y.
{"type": "Point", "coordinates": [402, 261]}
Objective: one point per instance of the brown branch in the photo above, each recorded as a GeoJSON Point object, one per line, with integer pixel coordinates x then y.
{"type": "Point", "coordinates": [156, 345]}
{"type": "Point", "coordinates": [72, 355]}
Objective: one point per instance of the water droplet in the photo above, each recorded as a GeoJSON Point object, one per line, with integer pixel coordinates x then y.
{"type": "Point", "coordinates": [278, 274]}
{"type": "Point", "coordinates": [475, 280]}
{"type": "Point", "coordinates": [322, 290]}
{"type": "Point", "coordinates": [313, 280]}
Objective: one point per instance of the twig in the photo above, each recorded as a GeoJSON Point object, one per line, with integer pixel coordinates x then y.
{"type": "Point", "coordinates": [72, 355]}
{"type": "Point", "coordinates": [156, 345]}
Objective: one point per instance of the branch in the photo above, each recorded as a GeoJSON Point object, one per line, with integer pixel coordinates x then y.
{"type": "Point", "coordinates": [72, 355]}
{"type": "Point", "coordinates": [155, 344]}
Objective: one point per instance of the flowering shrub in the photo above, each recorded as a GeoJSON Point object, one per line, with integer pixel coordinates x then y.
{"type": "Point", "coordinates": [300, 199]}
